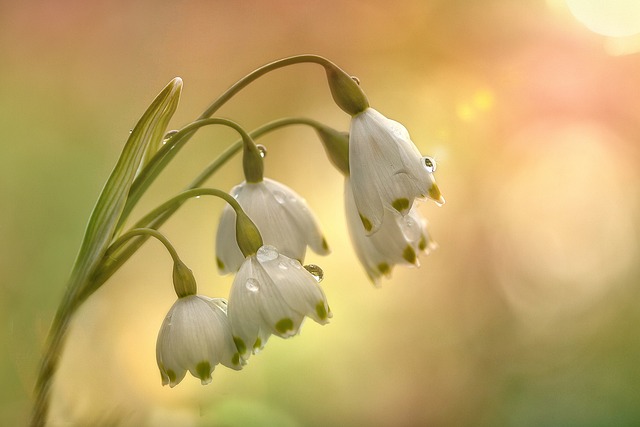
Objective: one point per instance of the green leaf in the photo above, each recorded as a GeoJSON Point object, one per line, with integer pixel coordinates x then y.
{"type": "Point", "coordinates": [101, 228]}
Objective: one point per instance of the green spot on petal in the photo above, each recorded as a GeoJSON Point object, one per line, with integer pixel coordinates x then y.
{"type": "Point", "coordinates": [384, 268]}
{"type": "Point", "coordinates": [434, 192]}
{"type": "Point", "coordinates": [284, 325]}
{"type": "Point", "coordinates": [325, 245]}
{"type": "Point", "coordinates": [220, 263]}
{"type": "Point", "coordinates": [401, 204]}
{"type": "Point", "coordinates": [236, 359]}
{"type": "Point", "coordinates": [257, 344]}
{"type": "Point", "coordinates": [409, 254]}
{"type": "Point", "coordinates": [240, 345]}
{"type": "Point", "coordinates": [321, 311]}
{"type": "Point", "coordinates": [365, 222]}
{"type": "Point", "coordinates": [204, 370]}
{"type": "Point", "coordinates": [172, 376]}
{"type": "Point", "coordinates": [422, 245]}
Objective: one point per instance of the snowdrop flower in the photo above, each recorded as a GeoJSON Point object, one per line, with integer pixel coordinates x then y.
{"type": "Point", "coordinates": [272, 294]}
{"type": "Point", "coordinates": [398, 240]}
{"type": "Point", "coordinates": [195, 336]}
{"type": "Point", "coordinates": [387, 170]}
{"type": "Point", "coordinates": [282, 217]}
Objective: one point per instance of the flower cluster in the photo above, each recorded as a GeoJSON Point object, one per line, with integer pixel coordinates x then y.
{"type": "Point", "coordinates": [264, 230]}
{"type": "Point", "coordinates": [262, 238]}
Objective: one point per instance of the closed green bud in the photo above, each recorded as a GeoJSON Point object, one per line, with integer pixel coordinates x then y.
{"type": "Point", "coordinates": [247, 234]}
{"type": "Point", "coordinates": [346, 91]}
{"type": "Point", "coordinates": [183, 281]}
{"type": "Point", "coordinates": [336, 144]}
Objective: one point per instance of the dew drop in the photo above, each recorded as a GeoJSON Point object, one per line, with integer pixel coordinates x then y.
{"type": "Point", "coordinates": [267, 253]}
{"type": "Point", "coordinates": [262, 149]}
{"type": "Point", "coordinates": [315, 271]}
{"type": "Point", "coordinates": [410, 228]}
{"type": "Point", "coordinates": [429, 164]}
{"type": "Point", "coordinates": [252, 285]}
{"type": "Point", "coordinates": [355, 79]}
{"type": "Point", "coordinates": [279, 196]}
{"type": "Point", "coordinates": [167, 136]}
{"type": "Point", "coordinates": [283, 265]}
{"type": "Point", "coordinates": [295, 263]}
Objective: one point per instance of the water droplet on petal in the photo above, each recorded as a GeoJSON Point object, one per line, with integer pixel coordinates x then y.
{"type": "Point", "coordinates": [279, 196]}
{"type": "Point", "coordinates": [262, 149]}
{"type": "Point", "coordinates": [252, 285]}
{"type": "Point", "coordinates": [315, 271]}
{"type": "Point", "coordinates": [429, 164]}
{"type": "Point", "coordinates": [410, 228]}
{"type": "Point", "coordinates": [283, 265]}
{"type": "Point", "coordinates": [355, 79]}
{"type": "Point", "coordinates": [267, 253]}
{"type": "Point", "coordinates": [295, 263]}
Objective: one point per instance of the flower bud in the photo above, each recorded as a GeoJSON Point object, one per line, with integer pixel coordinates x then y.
{"type": "Point", "coordinates": [345, 91]}
{"type": "Point", "coordinates": [336, 145]}
{"type": "Point", "coordinates": [183, 281]}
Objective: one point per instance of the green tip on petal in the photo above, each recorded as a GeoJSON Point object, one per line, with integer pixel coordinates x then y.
{"type": "Point", "coordinates": [422, 245]}
{"type": "Point", "coordinates": [325, 245]}
{"type": "Point", "coordinates": [258, 344]}
{"type": "Point", "coordinates": [240, 345]}
{"type": "Point", "coordinates": [365, 222]}
{"type": "Point", "coordinates": [384, 268]}
{"type": "Point", "coordinates": [434, 193]}
{"type": "Point", "coordinates": [236, 359]}
{"type": "Point", "coordinates": [321, 311]}
{"type": "Point", "coordinates": [204, 372]}
{"type": "Point", "coordinates": [172, 377]}
{"type": "Point", "coordinates": [284, 325]}
{"type": "Point", "coordinates": [219, 263]}
{"type": "Point", "coordinates": [409, 255]}
{"type": "Point", "coordinates": [401, 204]}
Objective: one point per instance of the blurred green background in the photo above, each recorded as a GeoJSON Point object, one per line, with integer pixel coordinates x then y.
{"type": "Point", "coordinates": [526, 315]}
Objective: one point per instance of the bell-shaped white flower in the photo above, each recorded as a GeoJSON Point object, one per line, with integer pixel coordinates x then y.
{"type": "Point", "coordinates": [272, 294]}
{"type": "Point", "coordinates": [195, 336]}
{"type": "Point", "coordinates": [387, 170]}
{"type": "Point", "coordinates": [282, 217]}
{"type": "Point", "coordinates": [398, 240]}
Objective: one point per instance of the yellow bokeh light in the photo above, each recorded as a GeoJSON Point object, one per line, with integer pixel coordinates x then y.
{"type": "Point", "coordinates": [613, 18]}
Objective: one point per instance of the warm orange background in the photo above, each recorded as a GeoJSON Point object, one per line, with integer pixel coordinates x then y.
{"type": "Point", "coordinates": [526, 315]}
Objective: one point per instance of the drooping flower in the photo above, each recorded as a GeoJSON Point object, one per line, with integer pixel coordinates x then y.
{"type": "Point", "coordinates": [195, 336]}
{"type": "Point", "coordinates": [387, 170]}
{"type": "Point", "coordinates": [272, 294]}
{"type": "Point", "coordinates": [399, 239]}
{"type": "Point", "coordinates": [282, 217]}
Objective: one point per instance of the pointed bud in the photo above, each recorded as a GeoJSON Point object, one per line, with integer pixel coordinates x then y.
{"type": "Point", "coordinates": [345, 91]}
{"type": "Point", "coordinates": [336, 144]}
{"type": "Point", "coordinates": [183, 281]}
{"type": "Point", "coordinates": [247, 234]}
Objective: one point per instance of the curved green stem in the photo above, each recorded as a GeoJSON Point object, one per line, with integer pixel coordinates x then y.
{"type": "Point", "coordinates": [157, 217]}
{"type": "Point", "coordinates": [159, 161]}
{"type": "Point", "coordinates": [134, 232]}
{"type": "Point", "coordinates": [177, 141]}
{"type": "Point", "coordinates": [259, 72]}
{"type": "Point", "coordinates": [118, 258]}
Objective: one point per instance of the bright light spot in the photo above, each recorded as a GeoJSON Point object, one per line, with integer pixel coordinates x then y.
{"type": "Point", "coordinates": [613, 18]}
{"type": "Point", "coordinates": [483, 99]}
{"type": "Point", "coordinates": [564, 230]}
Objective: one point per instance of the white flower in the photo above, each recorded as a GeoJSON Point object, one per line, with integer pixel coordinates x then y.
{"type": "Point", "coordinates": [195, 336]}
{"type": "Point", "coordinates": [399, 239]}
{"type": "Point", "coordinates": [387, 170]}
{"type": "Point", "coordinates": [282, 217]}
{"type": "Point", "coordinates": [272, 294]}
